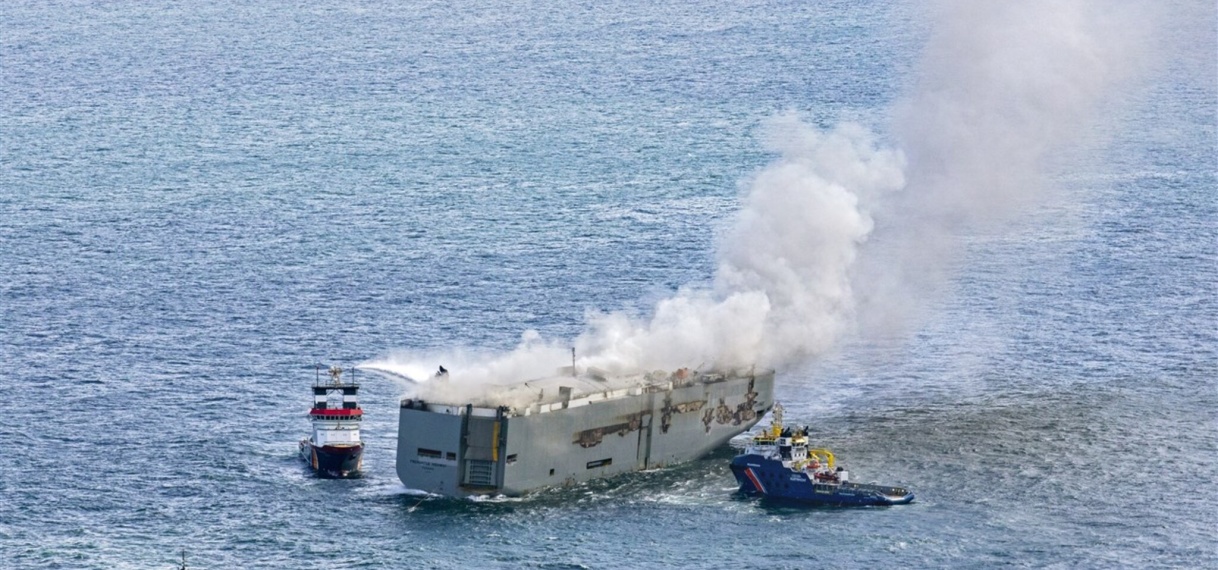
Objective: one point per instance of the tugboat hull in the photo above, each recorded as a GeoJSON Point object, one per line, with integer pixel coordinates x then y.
{"type": "Point", "coordinates": [780, 464]}
{"type": "Point", "coordinates": [758, 475]}
{"type": "Point", "coordinates": [333, 461]}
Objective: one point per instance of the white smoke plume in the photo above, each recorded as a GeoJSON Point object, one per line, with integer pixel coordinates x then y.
{"type": "Point", "coordinates": [781, 291]}
{"type": "Point", "coordinates": [1001, 84]}
{"type": "Point", "coordinates": [1002, 87]}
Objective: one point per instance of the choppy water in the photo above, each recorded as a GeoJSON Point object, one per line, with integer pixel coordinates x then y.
{"type": "Point", "coordinates": [198, 202]}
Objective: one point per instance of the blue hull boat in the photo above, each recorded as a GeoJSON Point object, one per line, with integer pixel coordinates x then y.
{"type": "Point", "coordinates": [779, 464]}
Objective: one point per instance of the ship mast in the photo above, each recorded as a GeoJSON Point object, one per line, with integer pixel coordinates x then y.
{"type": "Point", "coordinates": [776, 421]}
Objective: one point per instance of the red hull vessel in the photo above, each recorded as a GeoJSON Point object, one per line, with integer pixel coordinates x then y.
{"type": "Point", "coordinates": [334, 449]}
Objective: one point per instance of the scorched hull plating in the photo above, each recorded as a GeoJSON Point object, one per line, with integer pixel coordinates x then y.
{"type": "Point", "coordinates": [463, 450]}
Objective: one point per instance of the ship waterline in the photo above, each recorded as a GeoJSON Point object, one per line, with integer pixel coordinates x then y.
{"type": "Point", "coordinates": [589, 428]}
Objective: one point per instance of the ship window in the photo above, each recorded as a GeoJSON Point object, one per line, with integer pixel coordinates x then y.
{"type": "Point", "coordinates": [512, 459]}
{"type": "Point", "coordinates": [451, 456]}
{"type": "Point", "coordinates": [600, 463]}
{"type": "Point", "coordinates": [429, 453]}
{"type": "Point", "coordinates": [551, 472]}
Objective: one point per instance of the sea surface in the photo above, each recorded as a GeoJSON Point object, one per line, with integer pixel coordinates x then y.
{"type": "Point", "coordinates": [200, 200]}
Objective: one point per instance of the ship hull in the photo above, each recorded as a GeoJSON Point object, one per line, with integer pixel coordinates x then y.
{"type": "Point", "coordinates": [466, 451]}
{"type": "Point", "coordinates": [759, 475]}
{"type": "Point", "coordinates": [333, 461]}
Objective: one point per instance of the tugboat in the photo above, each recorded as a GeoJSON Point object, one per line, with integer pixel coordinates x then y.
{"type": "Point", "coordinates": [334, 449]}
{"type": "Point", "coordinates": [777, 463]}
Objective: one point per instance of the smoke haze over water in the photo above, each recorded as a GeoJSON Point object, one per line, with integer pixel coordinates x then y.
{"type": "Point", "coordinates": [840, 229]}
{"type": "Point", "coordinates": [1001, 87]}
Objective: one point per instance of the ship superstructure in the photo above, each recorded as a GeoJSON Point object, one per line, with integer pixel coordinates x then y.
{"type": "Point", "coordinates": [334, 449]}
{"type": "Point", "coordinates": [574, 429]}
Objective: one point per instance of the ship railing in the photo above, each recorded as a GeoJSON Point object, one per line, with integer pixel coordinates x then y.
{"type": "Point", "coordinates": [877, 488]}
{"type": "Point", "coordinates": [539, 408]}
{"type": "Point", "coordinates": [332, 384]}
{"type": "Point", "coordinates": [766, 450]}
{"type": "Point", "coordinates": [336, 379]}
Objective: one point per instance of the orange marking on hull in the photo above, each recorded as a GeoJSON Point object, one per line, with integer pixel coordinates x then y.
{"type": "Point", "coordinates": [756, 482]}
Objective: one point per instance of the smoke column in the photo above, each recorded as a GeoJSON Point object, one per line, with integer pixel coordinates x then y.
{"type": "Point", "coordinates": [1000, 84]}
{"type": "Point", "coordinates": [1000, 88]}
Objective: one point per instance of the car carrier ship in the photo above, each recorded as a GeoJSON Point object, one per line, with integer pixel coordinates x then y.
{"type": "Point", "coordinates": [571, 429]}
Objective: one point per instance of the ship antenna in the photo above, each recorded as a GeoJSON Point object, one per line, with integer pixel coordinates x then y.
{"type": "Point", "coordinates": [573, 373]}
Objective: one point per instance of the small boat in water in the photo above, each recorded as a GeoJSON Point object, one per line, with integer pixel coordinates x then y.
{"type": "Point", "coordinates": [335, 448]}
{"type": "Point", "coordinates": [778, 463]}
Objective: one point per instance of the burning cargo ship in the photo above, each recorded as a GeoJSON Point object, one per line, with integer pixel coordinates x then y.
{"type": "Point", "coordinates": [570, 429]}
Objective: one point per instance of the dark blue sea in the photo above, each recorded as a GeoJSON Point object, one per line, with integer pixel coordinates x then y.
{"type": "Point", "coordinates": [201, 200]}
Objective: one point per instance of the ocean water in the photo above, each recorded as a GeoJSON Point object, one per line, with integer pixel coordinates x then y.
{"type": "Point", "coordinates": [199, 202]}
